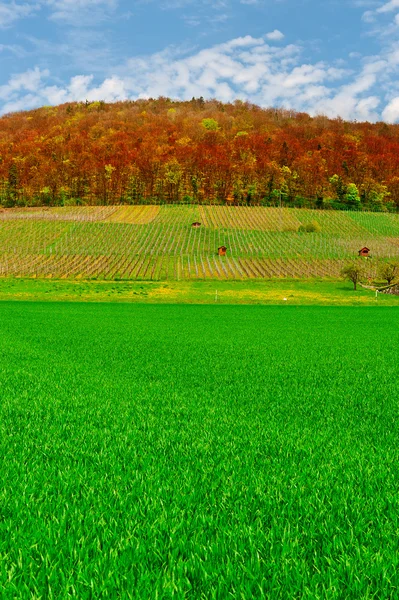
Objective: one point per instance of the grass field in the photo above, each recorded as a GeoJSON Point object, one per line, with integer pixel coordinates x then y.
{"type": "Point", "coordinates": [158, 243]}
{"type": "Point", "coordinates": [198, 452]}
{"type": "Point", "coordinates": [277, 291]}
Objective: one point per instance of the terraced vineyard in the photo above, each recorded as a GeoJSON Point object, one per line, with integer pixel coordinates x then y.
{"type": "Point", "coordinates": [159, 242]}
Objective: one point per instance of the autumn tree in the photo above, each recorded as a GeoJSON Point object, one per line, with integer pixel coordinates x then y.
{"type": "Point", "coordinates": [202, 151]}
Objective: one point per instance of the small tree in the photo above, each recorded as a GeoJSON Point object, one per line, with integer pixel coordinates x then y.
{"type": "Point", "coordinates": [338, 186]}
{"type": "Point", "coordinates": [389, 271]}
{"type": "Point", "coordinates": [353, 272]}
{"type": "Point", "coordinates": [352, 197]}
{"type": "Point", "coordinates": [210, 124]}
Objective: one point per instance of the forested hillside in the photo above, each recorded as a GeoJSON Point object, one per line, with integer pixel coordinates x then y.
{"type": "Point", "coordinates": [156, 151]}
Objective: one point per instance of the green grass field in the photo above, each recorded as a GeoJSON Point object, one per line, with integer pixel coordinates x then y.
{"type": "Point", "coordinates": [158, 243]}
{"type": "Point", "coordinates": [203, 452]}
{"type": "Point", "coordinates": [277, 291]}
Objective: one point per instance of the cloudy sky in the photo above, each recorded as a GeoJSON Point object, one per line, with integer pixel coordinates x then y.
{"type": "Point", "coordinates": [334, 57]}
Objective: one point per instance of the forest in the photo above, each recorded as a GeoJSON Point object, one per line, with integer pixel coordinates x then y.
{"type": "Point", "coordinates": [161, 151]}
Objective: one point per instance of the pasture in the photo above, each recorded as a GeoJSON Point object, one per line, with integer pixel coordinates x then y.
{"type": "Point", "coordinates": [158, 243]}
{"type": "Point", "coordinates": [283, 291]}
{"type": "Point", "coordinates": [198, 452]}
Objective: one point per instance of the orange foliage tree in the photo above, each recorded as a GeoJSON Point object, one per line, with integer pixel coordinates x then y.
{"type": "Point", "coordinates": [198, 151]}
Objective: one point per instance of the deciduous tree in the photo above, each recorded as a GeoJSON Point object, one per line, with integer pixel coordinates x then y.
{"type": "Point", "coordinates": [353, 272]}
{"type": "Point", "coordinates": [389, 271]}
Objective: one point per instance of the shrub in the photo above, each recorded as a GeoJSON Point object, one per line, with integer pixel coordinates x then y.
{"type": "Point", "coordinates": [312, 227]}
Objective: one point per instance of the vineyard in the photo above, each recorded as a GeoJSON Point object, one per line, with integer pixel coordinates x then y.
{"type": "Point", "coordinates": [160, 243]}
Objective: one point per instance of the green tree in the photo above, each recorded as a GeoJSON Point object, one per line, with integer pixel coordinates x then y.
{"type": "Point", "coordinates": [12, 188]}
{"type": "Point", "coordinates": [352, 197]}
{"type": "Point", "coordinates": [353, 272]}
{"type": "Point", "coordinates": [389, 271]}
{"type": "Point", "coordinates": [210, 124]}
{"type": "Point", "coordinates": [374, 194]}
{"type": "Point", "coordinates": [338, 186]}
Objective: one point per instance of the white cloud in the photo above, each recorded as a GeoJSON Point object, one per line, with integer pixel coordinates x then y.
{"type": "Point", "coordinates": [244, 67]}
{"type": "Point", "coordinates": [30, 81]}
{"type": "Point", "coordinates": [368, 16]}
{"type": "Point", "coordinates": [247, 68]}
{"type": "Point", "coordinates": [275, 35]}
{"type": "Point", "coordinates": [12, 11]}
{"type": "Point", "coordinates": [388, 6]}
{"type": "Point", "coordinates": [14, 49]}
{"type": "Point", "coordinates": [72, 12]}
{"type": "Point", "coordinates": [349, 102]}
{"type": "Point", "coordinates": [30, 89]}
{"type": "Point", "coordinates": [391, 111]}
{"type": "Point", "coordinates": [80, 12]}
{"type": "Point", "coordinates": [373, 16]}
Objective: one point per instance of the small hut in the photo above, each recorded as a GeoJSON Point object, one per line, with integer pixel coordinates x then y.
{"type": "Point", "coordinates": [222, 250]}
{"type": "Point", "coordinates": [364, 252]}
{"type": "Point", "coordinates": [196, 224]}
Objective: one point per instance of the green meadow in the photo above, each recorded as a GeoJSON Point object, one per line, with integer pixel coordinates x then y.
{"type": "Point", "coordinates": [273, 291]}
{"type": "Point", "coordinates": [198, 452]}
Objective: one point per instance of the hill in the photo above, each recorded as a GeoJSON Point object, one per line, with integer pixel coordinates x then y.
{"type": "Point", "coordinates": [159, 242]}
{"type": "Point", "coordinates": [208, 152]}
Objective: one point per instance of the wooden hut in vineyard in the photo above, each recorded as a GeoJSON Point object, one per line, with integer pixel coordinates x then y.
{"type": "Point", "coordinates": [196, 224]}
{"type": "Point", "coordinates": [365, 252]}
{"type": "Point", "coordinates": [222, 250]}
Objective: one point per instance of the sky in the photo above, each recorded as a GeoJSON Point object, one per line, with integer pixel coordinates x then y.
{"type": "Point", "coordinates": [330, 57]}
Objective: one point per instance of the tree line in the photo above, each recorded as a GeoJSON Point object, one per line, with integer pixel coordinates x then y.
{"type": "Point", "coordinates": [165, 151]}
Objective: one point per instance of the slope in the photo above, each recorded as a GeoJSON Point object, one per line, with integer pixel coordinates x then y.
{"type": "Point", "coordinates": [160, 243]}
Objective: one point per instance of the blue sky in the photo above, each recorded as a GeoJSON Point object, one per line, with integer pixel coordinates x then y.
{"type": "Point", "coordinates": [333, 57]}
